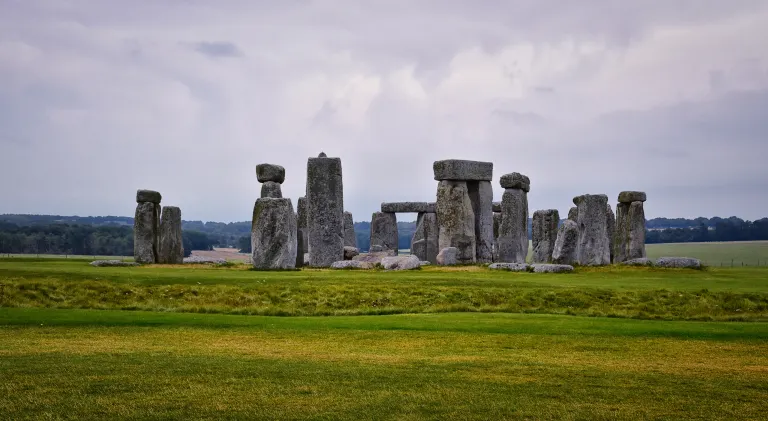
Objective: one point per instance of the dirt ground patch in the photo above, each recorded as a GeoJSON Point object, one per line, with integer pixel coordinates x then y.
{"type": "Point", "coordinates": [223, 253]}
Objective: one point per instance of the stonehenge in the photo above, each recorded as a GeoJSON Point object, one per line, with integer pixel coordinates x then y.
{"type": "Point", "coordinates": [350, 239]}
{"type": "Point", "coordinates": [544, 234]}
{"type": "Point", "coordinates": [566, 243]}
{"type": "Point", "coordinates": [146, 227]}
{"type": "Point", "coordinates": [629, 235]}
{"type": "Point", "coordinates": [273, 234]}
{"type": "Point", "coordinates": [513, 232]}
{"type": "Point", "coordinates": [384, 231]}
{"type": "Point", "coordinates": [593, 248]}
{"type": "Point", "coordinates": [171, 249]}
{"type": "Point", "coordinates": [325, 216]}
{"type": "Point", "coordinates": [424, 243]}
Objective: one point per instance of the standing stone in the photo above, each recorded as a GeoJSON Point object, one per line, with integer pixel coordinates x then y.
{"type": "Point", "coordinates": [481, 196]}
{"type": "Point", "coordinates": [544, 230]}
{"type": "Point", "coordinates": [447, 256]}
{"type": "Point", "coordinates": [325, 200]}
{"type": "Point", "coordinates": [566, 243]}
{"type": "Point", "coordinates": [301, 231]}
{"type": "Point", "coordinates": [636, 230]}
{"type": "Point", "coordinates": [384, 231]}
{"type": "Point", "coordinates": [146, 225]}
{"type": "Point", "coordinates": [273, 234]}
{"type": "Point", "coordinates": [629, 236]}
{"type": "Point", "coordinates": [496, 227]}
{"type": "Point", "coordinates": [456, 219]}
{"type": "Point", "coordinates": [271, 189]}
{"type": "Point", "coordinates": [350, 239]}
{"type": "Point", "coordinates": [513, 232]}
{"type": "Point", "coordinates": [424, 244]}
{"type": "Point", "coordinates": [593, 246]}
{"type": "Point", "coordinates": [171, 243]}
{"type": "Point", "coordinates": [573, 214]}
{"type": "Point", "coordinates": [611, 229]}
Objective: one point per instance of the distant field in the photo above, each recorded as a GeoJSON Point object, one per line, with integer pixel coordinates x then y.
{"type": "Point", "coordinates": [750, 253]}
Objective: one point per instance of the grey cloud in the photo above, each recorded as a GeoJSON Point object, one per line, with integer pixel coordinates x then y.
{"type": "Point", "coordinates": [217, 49]}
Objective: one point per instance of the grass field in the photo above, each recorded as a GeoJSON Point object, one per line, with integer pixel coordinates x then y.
{"type": "Point", "coordinates": [748, 253]}
{"type": "Point", "coordinates": [435, 343]}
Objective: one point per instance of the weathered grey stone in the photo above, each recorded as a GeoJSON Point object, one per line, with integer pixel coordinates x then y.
{"type": "Point", "coordinates": [551, 268]}
{"type": "Point", "coordinates": [401, 262]}
{"type": "Point", "coordinates": [271, 189]}
{"type": "Point", "coordinates": [146, 224]}
{"type": "Point", "coordinates": [376, 248]}
{"type": "Point", "coordinates": [456, 219]}
{"type": "Point", "coordinates": [425, 263]}
{"type": "Point", "coordinates": [205, 260]}
{"type": "Point", "coordinates": [148, 196]}
{"type": "Point", "coordinates": [171, 249]}
{"type": "Point", "coordinates": [643, 261]}
{"type": "Point", "coordinates": [302, 212]}
{"type": "Point", "coordinates": [112, 263]}
{"type": "Point", "coordinates": [678, 262]}
{"type": "Point", "coordinates": [513, 232]}
{"type": "Point", "coordinates": [632, 196]}
{"type": "Point", "coordinates": [384, 230]}
{"type": "Point", "coordinates": [611, 225]}
{"type": "Point", "coordinates": [325, 205]}
{"type": "Point", "coordinates": [629, 235]}
{"type": "Point", "coordinates": [512, 267]}
{"type": "Point", "coordinates": [301, 247]}
{"type": "Point", "coordinates": [270, 172]}
{"type": "Point", "coordinates": [351, 264]}
{"type": "Point", "coordinates": [408, 207]}
{"type": "Point", "coordinates": [573, 214]}
{"type": "Point", "coordinates": [544, 233]}
{"type": "Point", "coordinates": [448, 256]}
{"type": "Point", "coordinates": [515, 181]}
{"type": "Point", "coordinates": [566, 243]}
{"type": "Point", "coordinates": [306, 259]}
{"type": "Point", "coordinates": [350, 252]}
{"type": "Point", "coordinates": [273, 234]}
{"type": "Point", "coordinates": [496, 227]}
{"type": "Point", "coordinates": [593, 246]}
{"type": "Point", "coordinates": [424, 243]}
{"type": "Point", "coordinates": [481, 197]}
{"type": "Point", "coordinates": [461, 170]}
{"type": "Point", "coordinates": [350, 239]}
{"type": "Point", "coordinates": [322, 155]}
{"type": "Point", "coordinates": [373, 257]}
{"type": "Point", "coordinates": [496, 207]}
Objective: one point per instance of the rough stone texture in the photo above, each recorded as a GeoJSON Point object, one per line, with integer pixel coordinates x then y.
{"type": "Point", "coordinates": [515, 181]}
{"type": "Point", "coordinates": [171, 249]}
{"type": "Point", "coordinates": [496, 207]}
{"type": "Point", "coordinates": [456, 219]}
{"type": "Point", "coordinates": [643, 261]}
{"type": "Point", "coordinates": [109, 263]}
{"type": "Point", "coordinates": [678, 262]}
{"type": "Point", "coordinates": [611, 225]}
{"type": "Point", "coordinates": [512, 267]}
{"type": "Point", "coordinates": [322, 155]}
{"type": "Point", "coordinates": [271, 189]}
{"type": "Point", "coordinates": [447, 256]}
{"type": "Point", "coordinates": [496, 227]}
{"type": "Point", "coordinates": [629, 235]}
{"type": "Point", "coordinates": [566, 243]}
{"type": "Point", "coordinates": [593, 246]}
{"type": "Point", "coordinates": [351, 264]}
{"type": "Point", "coordinates": [461, 170]}
{"type": "Point", "coordinates": [512, 243]}
{"type": "Point", "coordinates": [301, 212]}
{"type": "Point", "coordinates": [350, 252]}
{"type": "Point", "coordinates": [270, 172]}
{"type": "Point", "coordinates": [205, 260]}
{"type": "Point", "coordinates": [632, 196]}
{"type": "Point", "coordinates": [306, 259]}
{"type": "Point", "coordinates": [401, 262]}
{"type": "Point", "coordinates": [325, 216]}
{"type": "Point", "coordinates": [544, 233]}
{"type": "Point", "coordinates": [302, 232]}
{"type": "Point", "coordinates": [148, 196]}
{"type": "Point", "coordinates": [350, 239]}
{"type": "Point", "coordinates": [408, 207]}
{"type": "Point", "coordinates": [481, 196]}
{"type": "Point", "coordinates": [377, 249]}
{"type": "Point", "coordinates": [384, 230]}
{"type": "Point", "coordinates": [424, 243]}
{"type": "Point", "coordinates": [551, 268]}
{"type": "Point", "coordinates": [573, 214]}
{"type": "Point", "coordinates": [146, 225]}
{"type": "Point", "coordinates": [373, 257]}
{"type": "Point", "coordinates": [273, 234]}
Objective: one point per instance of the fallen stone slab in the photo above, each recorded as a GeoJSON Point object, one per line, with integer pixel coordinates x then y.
{"type": "Point", "coordinates": [351, 264]}
{"type": "Point", "coordinates": [447, 256]}
{"type": "Point", "coordinates": [462, 170]}
{"type": "Point", "coordinates": [512, 267]}
{"type": "Point", "coordinates": [425, 263]}
{"type": "Point", "coordinates": [632, 196]}
{"type": "Point", "coordinates": [373, 257]}
{"type": "Point", "coordinates": [112, 263]}
{"type": "Point", "coordinates": [400, 263]}
{"type": "Point", "coordinates": [643, 261]}
{"type": "Point", "coordinates": [551, 268]}
{"type": "Point", "coordinates": [350, 252]}
{"type": "Point", "coordinates": [515, 180]}
{"type": "Point", "coordinates": [408, 207]}
{"type": "Point", "coordinates": [150, 196]}
{"type": "Point", "coordinates": [678, 262]}
{"type": "Point", "coordinates": [270, 172]}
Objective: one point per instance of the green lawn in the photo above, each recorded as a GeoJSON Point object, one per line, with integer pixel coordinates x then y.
{"type": "Point", "coordinates": [748, 253]}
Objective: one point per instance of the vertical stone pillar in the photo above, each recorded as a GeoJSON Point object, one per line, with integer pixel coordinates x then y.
{"type": "Point", "coordinates": [301, 231]}
{"type": "Point", "coordinates": [325, 200]}
{"type": "Point", "coordinates": [146, 226]}
{"type": "Point", "coordinates": [611, 229]}
{"type": "Point", "coordinates": [566, 245]}
{"type": "Point", "coordinates": [481, 196]}
{"type": "Point", "coordinates": [424, 244]}
{"type": "Point", "coordinates": [456, 219]}
{"type": "Point", "coordinates": [273, 234]}
{"type": "Point", "coordinates": [272, 176]}
{"type": "Point", "coordinates": [350, 239]}
{"type": "Point", "coordinates": [171, 242]}
{"type": "Point", "coordinates": [496, 228]}
{"type": "Point", "coordinates": [513, 232]}
{"type": "Point", "coordinates": [573, 214]}
{"type": "Point", "coordinates": [384, 231]}
{"type": "Point", "coordinates": [629, 237]}
{"type": "Point", "coordinates": [544, 233]}
{"type": "Point", "coordinates": [593, 245]}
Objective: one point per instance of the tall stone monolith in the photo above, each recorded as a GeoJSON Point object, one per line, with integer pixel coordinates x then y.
{"type": "Point", "coordinates": [424, 244]}
{"type": "Point", "coordinates": [302, 232]}
{"type": "Point", "coordinates": [171, 249]}
{"type": "Point", "coordinates": [611, 230]}
{"type": "Point", "coordinates": [384, 231]}
{"type": "Point", "coordinates": [513, 232]}
{"type": "Point", "coordinates": [544, 234]}
{"type": "Point", "coordinates": [566, 244]}
{"type": "Point", "coordinates": [481, 196]}
{"type": "Point", "coordinates": [496, 227]}
{"type": "Point", "coordinates": [273, 234]}
{"type": "Point", "coordinates": [456, 219]}
{"type": "Point", "coordinates": [325, 202]}
{"type": "Point", "coordinates": [629, 236]}
{"type": "Point", "coordinates": [350, 239]}
{"type": "Point", "coordinates": [146, 227]}
{"type": "Point", "coordinates": [593, 246]}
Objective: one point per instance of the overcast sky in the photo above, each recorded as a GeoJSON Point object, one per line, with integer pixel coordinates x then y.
{"type": "Point", "coordinates": [99, 98]}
